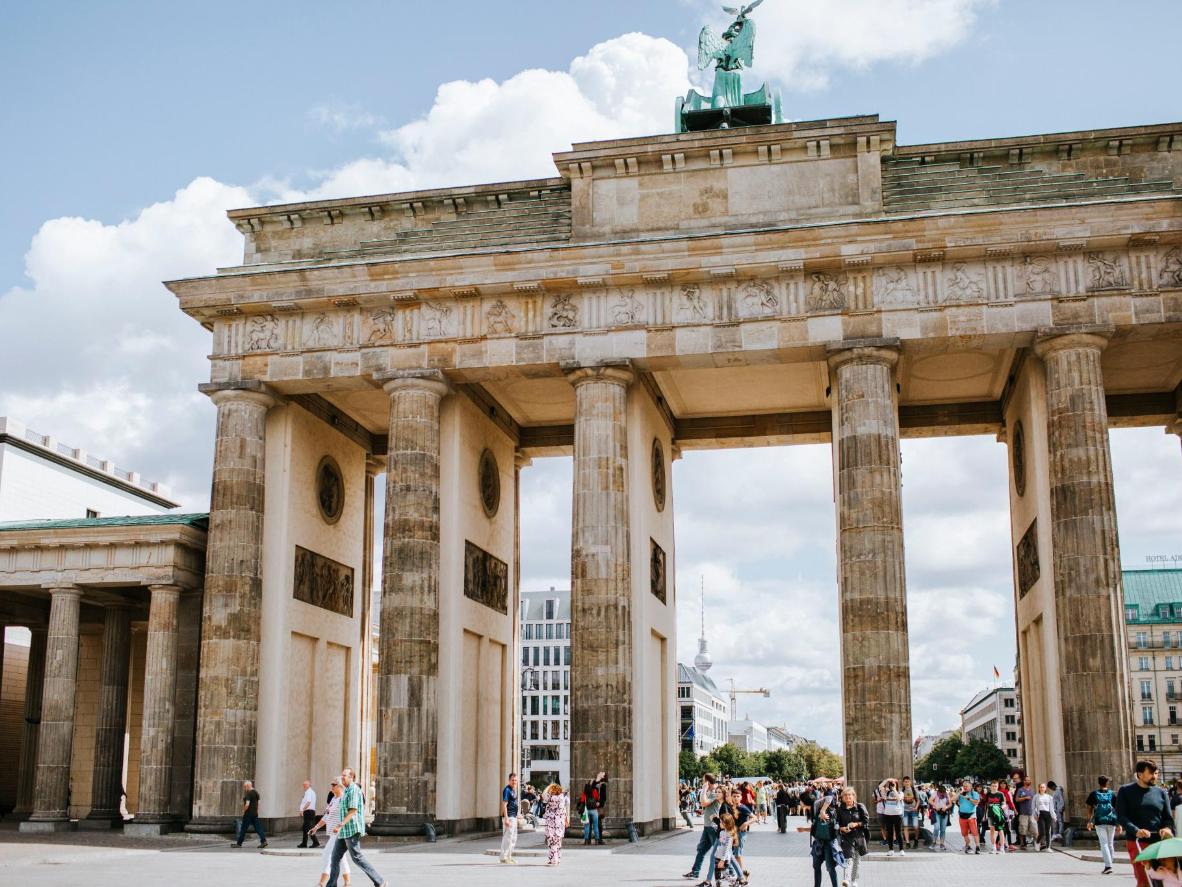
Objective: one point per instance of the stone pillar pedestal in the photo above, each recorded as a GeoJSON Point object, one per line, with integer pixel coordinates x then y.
{"type": "Point", "coordinates": [876, 673]}
{"type": "Point", "coordinates": [107, 776]}
{"type": "Point", "coordinates": [228, 687]}
{"type": "Point", "coordinates": [154, 814]}
{"type": "Point", "coordinates": [601, 591]}
{"type": "Point", "coordinates": [55, 740]}
{"type": "Point", "coordinates": [1089, 595]}
{"type": "Point", "coordinates": [34, 685]}
{"type": "Point", "coordinates": [408, 717]}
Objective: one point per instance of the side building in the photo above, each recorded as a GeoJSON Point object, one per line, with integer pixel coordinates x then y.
{"type": "Point", "coordinates": [545, 687]}
{"type": "Point", "coordinates": [1153, 619]}
{"type": "Point", "coordinates": [995, 716]}
{"type": "Point", "coordinates": [703, 711]}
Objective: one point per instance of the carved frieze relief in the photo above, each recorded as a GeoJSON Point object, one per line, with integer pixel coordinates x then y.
{"type": "Point", "coordinates": [1171, 267]}
{"type": "Point", "coordinates": [262, 333]}
{"type": "Point", "coordinates": [1106, 272]}
{"type": "Point", "coordinates": [894, 286]}
{"type": "Point", "coordinates": [437, 320]}
{"type": "Point", "coordinates": [964, 282]}
{"type": "Point", "coordinates": [627, 310]}
{"type": "Point", "coordinates": [758, 298]}
{"type": "Point", "coordinates": [1040, 276]}
{"type": "Point", "coordinates": [827, 292]}
{"type": "Point", "coordinates": [379, 325]}
{"type": "Point", "coordinates": [499, 320]}
{"type": "Point", "coordinates": [321, 330]}
{"type": "Point", "coordinates": [564, 313]}
{"type": "Point", "coordinates": [693, 305]}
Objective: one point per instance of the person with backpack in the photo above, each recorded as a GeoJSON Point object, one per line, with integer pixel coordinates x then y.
{"type": "Point", "coordinates": [995, 816]}
{"type": "Point", "coordinates": [824, 836]}
{"type": "Point", "coordinates": [590, 804]}
{"type": "Point", "coordinates": [966, 808]}
{"type": "Point", "coordinates": [853, 821]}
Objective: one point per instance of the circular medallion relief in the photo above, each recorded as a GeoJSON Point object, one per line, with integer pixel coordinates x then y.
{"type": "Point", "coordinates": [658, 475]}
{"type": "Point", "coordinates": [330, 489]}
{"type": "Point", "coordinates": [490, 483]}
{"type": "Point", "coordinates": [1019, 457]}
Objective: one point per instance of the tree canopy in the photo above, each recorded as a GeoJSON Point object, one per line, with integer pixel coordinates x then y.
{"type": "Point", "coordinates": [952, 759]}
{"type": "Point", "coordinates": [808, 760]}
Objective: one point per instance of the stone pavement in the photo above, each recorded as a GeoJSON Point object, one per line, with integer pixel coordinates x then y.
{"type": "Point", "coordinates": [90, 860]}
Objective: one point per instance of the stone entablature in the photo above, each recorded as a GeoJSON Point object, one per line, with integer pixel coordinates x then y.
{"type": "Point", "coordinates": [106, 556]}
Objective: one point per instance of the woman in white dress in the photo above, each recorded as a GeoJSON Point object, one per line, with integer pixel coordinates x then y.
{"type": "Point", "coordinates": [328, 822]}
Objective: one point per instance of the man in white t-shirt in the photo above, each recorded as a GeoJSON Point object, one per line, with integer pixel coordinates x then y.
{"type": "Point", "coordinates": [308, 812]}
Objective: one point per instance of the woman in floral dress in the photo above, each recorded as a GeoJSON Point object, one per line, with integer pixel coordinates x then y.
{"type": "Point", "coordinates": [557, 818]}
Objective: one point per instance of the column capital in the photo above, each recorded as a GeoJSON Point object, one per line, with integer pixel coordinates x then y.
{"type": "Point", "coordinates": [1050, 339]}
{"type": "Point", "coordinates": [876, 351]}
{"type": "Point", "coordinates": [243, 391]}
{"type": "Point", "coordinates": [427, 381]}
{"type": "Point", "coordinates": [63, 589]}
{"type": "Point", "coordinates": [165, 588]}
{"type": "Point", "coordinates": [618, 372]}
{"type": "Point", "coordinates": [520, 460]}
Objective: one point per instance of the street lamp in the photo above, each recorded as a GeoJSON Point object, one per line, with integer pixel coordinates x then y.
{"type": "Point", "coordinates": [528, 683]}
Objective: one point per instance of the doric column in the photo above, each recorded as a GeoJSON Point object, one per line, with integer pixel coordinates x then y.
{"type": "Point", "coordinates": [601, 588]}
{"type": "Point", "coordinates": [408, 661]}
{"type": "Point", "coordinates": [1089, 596]}
{"type": "Point", "coordinates": [34, 686]}
{"type": "Point", "coordinates": [875, 671]}
{"type": "Point", "coordinates": [55, 742]}
{"type": "Point", "coordinates": [184, 705]}
{"type": "Point", "coordinates": [228, 688]}
{"type": "Point", "coordinates": [111, 726]}
{"type": "Point", "coordinates": [156, 737]}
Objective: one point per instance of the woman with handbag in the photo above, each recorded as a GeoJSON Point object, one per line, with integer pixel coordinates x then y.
{"type": "Point", "coordinates": [853, 820]}
{"type": "Point", "coordinates": [824, 835]}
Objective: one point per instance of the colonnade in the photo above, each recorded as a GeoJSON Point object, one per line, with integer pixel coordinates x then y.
{"type": "Point", "coordinates": [1095, 722]}
{"type": "Point", "coordinates": [50, 711]}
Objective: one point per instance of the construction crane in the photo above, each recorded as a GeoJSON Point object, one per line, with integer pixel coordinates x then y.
{"type": "Point", "coordinates": [735, 693]}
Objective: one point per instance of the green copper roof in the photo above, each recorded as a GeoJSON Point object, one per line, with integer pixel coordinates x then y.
{"type": "Point", "coordinates": [200, 521]}
{"type": "Point", "coordinates": [1149, 590]}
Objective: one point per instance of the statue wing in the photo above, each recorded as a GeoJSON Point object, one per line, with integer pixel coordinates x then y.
{"type": "Point", "coordinates": [742, 47]}
{"type": "Point", "coordinates": [710, 47]}
{"type": "Point", "coordinates": [747, 10]}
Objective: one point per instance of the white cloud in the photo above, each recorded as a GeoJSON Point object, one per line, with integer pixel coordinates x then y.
{"type": "Point", "coordinates": [342, 117]}
{"type": "Point", "coordinates": [803, 42]}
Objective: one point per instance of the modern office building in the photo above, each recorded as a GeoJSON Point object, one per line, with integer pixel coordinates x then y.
{"type": "Point", "coordinates": [545, 686]}
{"type": "Point", "coordinates": [995, 716]}
{"type": "Point", "coordinates": [703, 711]}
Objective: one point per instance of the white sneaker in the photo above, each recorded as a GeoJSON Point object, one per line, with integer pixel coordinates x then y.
{"type": "Point", "coordinates": [902, 852]}
{"type": "Point", "coordinates": [890, 853]}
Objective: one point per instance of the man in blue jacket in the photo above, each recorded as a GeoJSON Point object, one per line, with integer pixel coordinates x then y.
{"type": "Point", "coordinates": [1143, 808]}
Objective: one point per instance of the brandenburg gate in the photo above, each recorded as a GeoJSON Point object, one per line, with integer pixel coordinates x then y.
{"type": "Point", "coordinates": [811, 282]}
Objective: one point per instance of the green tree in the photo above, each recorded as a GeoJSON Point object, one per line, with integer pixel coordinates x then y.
{"type": "Point", "coordinates": [820, 761]}
{"type": "Point", "coordinates": [731, 761]}
{"type": "Point", "coordinates": [690, 766]}
{"type": "Point", "coordinates": [982, 759]}
{"type": "Point", "coordinates": [783, 765]}
{"type": "Point", "coordinates": [939, 764]}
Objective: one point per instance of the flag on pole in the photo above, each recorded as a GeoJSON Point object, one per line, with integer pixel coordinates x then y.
{"type": "Point", "coordinates": [996, 674]}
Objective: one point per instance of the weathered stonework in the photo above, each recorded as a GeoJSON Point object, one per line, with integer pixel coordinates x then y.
{"type": "Point", "coordinates": [160, 685]}
{"type": "Point", "coordinates": [408, 727]}
{"type": "Point", "coordinates": [34, 686]}
{"type": "Point", "coordinates": [107, 778]}
{"type": "Point", "coordinates": [56, 734]}
{"type": "Point", "coordinates": [601, 590]}
{"type": "Point", "coordinates": [1089, 597]}
{"type": "Point", "coordinates": [227, 706]}
{"type": "Point", "coordinates": [876, 672]}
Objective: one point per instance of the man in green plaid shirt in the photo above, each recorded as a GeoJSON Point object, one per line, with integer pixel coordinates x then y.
{"type": "Point", "coordinates": [351, 831]}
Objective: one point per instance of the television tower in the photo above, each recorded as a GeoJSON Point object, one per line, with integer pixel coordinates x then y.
{"type": "Point", "coordinates": [703, 660]}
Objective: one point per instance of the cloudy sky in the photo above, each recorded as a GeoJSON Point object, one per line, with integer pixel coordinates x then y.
{"type": "Point", "coordinates": [137, 124]}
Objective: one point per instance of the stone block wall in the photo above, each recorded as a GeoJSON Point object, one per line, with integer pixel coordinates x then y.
{"type": "Point", "coordinates": [12, 712]}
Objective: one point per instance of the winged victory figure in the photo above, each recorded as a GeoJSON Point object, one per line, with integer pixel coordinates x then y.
{"type": "Point", "coordinates": [730, 52]}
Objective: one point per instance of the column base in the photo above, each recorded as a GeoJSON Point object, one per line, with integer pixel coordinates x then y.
{"type": "Point", "coordinates": [102, 823]}
{"type": "Point", "coordinates": [405, 825]}
{"type": "Point", "coordinates": [212, 825]}
{"type": "Point", "coordinates": [46, 826]}
{"type": "Point", "coordinates": [136, 829]}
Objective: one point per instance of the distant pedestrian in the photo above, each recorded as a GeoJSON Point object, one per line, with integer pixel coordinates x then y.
{"type": "Point", "coordinates": [1103, 820]}
{"type": "Point", "coordinates": [557, 819]}
{"type": "Point", "coordinates": [509, 809]}
{"type": "Point", "coordinates": [350, 832]}
{"type": "Point", "coordinates": [966, 808]}
{"type": "Point", "coordinates": [1060, 797]}
{"type": "Point", "coordinates": [783, 803]}
{"type": "Point", "coordinates": [940, 803]}
{"type": "Point", "coordinates": [329, 822]}
{"type": "Point", "coordinates": [1143, 810]}
{"type": "Point", "coordinates": [1044, 814]}
{"type": "Point", "coordinates": [250, 815]}
{"type": "Point", "coordinates": [1023, 796]}
{"type": "Point", "coordinates": [591, 803]}
{"type": "Point", "coordinates": [308, 812]}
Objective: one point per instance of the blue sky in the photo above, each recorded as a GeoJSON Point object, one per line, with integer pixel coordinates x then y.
{"type": "Point", "coordinates": [130, 127]}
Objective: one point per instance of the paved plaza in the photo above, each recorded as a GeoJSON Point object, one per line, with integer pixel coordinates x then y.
{"type": "Point", "coordinates": [110, 861]}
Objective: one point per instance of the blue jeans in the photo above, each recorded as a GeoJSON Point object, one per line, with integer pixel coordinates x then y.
{"type": "Point", "coordinates": [940, 826]}
{"type": "Point", "coordinates": [353, 845]}
{"type": "Point", "coordinates": [247, 820]}
{"type": "Point", "coordinates": [592, 824]}
{"type": "Point", "coordinates": [822, 852]}
{"type": "Point", "coordinates": [706, 845]}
